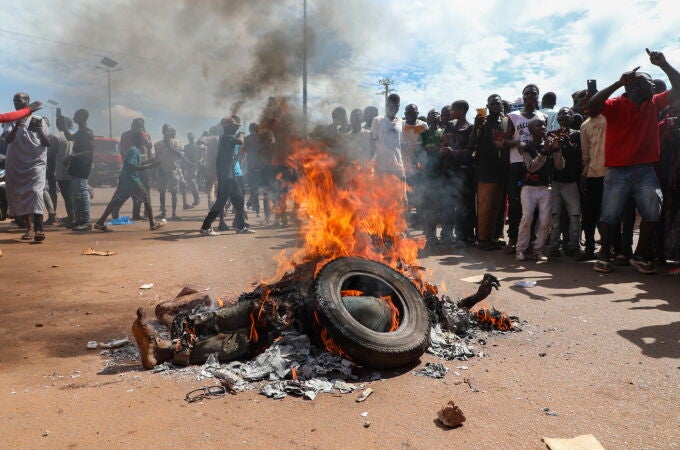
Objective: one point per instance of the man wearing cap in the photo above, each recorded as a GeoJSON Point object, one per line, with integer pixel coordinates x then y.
{"type": "Point", "coordinates": [228, 171]}
{"type": "Point", "coordinates": [631, 149]}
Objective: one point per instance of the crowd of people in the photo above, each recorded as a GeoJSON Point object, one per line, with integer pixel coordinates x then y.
{"type": "Point", "coordinates": [552, 175]}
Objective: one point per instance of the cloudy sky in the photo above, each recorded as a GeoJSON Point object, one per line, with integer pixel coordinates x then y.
{"type": "Point", "coordinates": [188, 63]}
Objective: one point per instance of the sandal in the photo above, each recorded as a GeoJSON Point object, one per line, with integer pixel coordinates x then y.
{"type": "Point", "coordinates": [602, 267]}
{"type": "Point", "coordinates": [28, 236]}
{"type": "Point", "coordinates": [156, 226]}
{"type": "Point", "coordinates": [39, 236]}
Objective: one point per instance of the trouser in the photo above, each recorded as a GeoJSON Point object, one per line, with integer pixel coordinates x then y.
{"type": "Point", "coordinates": [52, 189]}
{"type": "Point", "coordinates": [65, 188]}
{"type": "Point", "coordinates": [49, 206]}
{"type": "Point", "coordinates": [591, 205]}
{"type": "Point", "coordinates": [532, 198]}
{"type": "Point", "coordinates": [189, 185]}
{"type": "Point", "coordinates": [515, 211]}
{"type": "Point", "coordinates": [566, 194]}
{"type": "Point", "coordinates": [489, 201]}
{"type": "Point", "coordinates": [462, 214]}
{"type": "Point", "coordinates": [228, 189]}
{"type": "Point", "coordinates": [81, 201]}
{"type": "Point", "coordinates": [136, 204]}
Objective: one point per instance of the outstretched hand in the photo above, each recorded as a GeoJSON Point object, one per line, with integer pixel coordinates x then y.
{"type": "Point", "coordinates": [656, 58]}
{"type": "Point", "coordinates": [34, 106]}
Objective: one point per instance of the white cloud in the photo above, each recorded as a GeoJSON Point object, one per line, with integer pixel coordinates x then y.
{"type": "Point", "coordinates": [436, 52]}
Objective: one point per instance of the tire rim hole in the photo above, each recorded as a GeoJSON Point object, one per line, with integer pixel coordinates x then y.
{"type": "Point", "coordinates": [372, 302]}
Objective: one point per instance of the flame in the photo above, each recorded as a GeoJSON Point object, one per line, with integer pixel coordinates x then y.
{"type": "Point", "coordinates": [328, 340]}
{"type": "Point", "coordinates": [220, 302]}
{"type": "Point", "coordinates": [347, 210]}
{"type": "Point", "coordinates": [351, 293]}
{"type": "Point", "coordinates": [394, 324]}
{"type": "Point", "coordinates": [494, 318]}
{"type": "Point", "coordinates": [253, 336]}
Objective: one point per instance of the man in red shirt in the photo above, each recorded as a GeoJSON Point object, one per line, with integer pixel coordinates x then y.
{"type": "Point", "coordinates": [631, 148]}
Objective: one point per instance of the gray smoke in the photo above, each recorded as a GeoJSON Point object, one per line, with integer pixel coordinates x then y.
{"type": "Point", "coordinates": [216, 57]}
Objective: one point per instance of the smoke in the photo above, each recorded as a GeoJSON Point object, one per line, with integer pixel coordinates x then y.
{"type": "Point", "coordinates": [212, 58]}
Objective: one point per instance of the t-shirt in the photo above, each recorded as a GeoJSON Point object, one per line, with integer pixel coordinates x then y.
{"type": "Point", "coordinates": [358, 147]}
{"type": "Point", "coordinates": [388, 136]}
{"type": "Point", "coordinates": [550, 119]}
{"type": "Point", "coordinates": [227, 163]}
{"type": "Point", "coordinates": [522, 133]}
{"type": "Point", "coordinates": [127, 174]}
{"type": "Point", "coordinates": [632, 133]}
{"type": "Point", "coordinates": [573, 163]}
{"type": "Point", "coordinates": [593, 132]}
{"type": "Point", "coordinates": [83, 143]}
{"type": "Point", "coordinates": [411, 135]}
{"type": "Point", "coordinates": [491, 162]}
{"type": "Point", "coordinates": [540, 167]}
{"type": "Point", "coordinates": [168, 157]}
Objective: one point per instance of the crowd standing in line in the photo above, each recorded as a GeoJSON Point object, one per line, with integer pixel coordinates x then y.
{"type": "Point", "coordinates": [553, 175]}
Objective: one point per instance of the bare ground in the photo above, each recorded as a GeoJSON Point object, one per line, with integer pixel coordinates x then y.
{"type": "Point", "coordinates": [610, 346]}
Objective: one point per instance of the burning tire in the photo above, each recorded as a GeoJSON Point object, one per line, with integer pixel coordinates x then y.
{"type": "Point", "coordinates": [377, 349]}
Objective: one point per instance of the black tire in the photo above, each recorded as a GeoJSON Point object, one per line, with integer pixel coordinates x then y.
{"type": "Point", "coordinates": [365, 346]}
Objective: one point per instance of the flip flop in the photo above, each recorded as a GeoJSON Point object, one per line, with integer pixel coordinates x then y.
{"type": "Point", "coordinates": [39, 236]}
{"type": "Point", "coordinates": [27, 236]}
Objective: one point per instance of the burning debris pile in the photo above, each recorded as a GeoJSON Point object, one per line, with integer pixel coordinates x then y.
{"type": "Point", "coordinates": [352, 295]}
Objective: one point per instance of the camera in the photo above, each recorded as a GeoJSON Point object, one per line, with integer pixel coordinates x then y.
{"type": "Point", "coordinates": [35, 124]}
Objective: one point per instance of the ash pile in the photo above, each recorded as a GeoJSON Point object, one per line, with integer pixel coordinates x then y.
{"type": "Point", "coordinates": [329, 332]}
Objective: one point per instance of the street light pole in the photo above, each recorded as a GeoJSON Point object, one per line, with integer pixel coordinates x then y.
{"type": "Point", "coordinates": [304, 69]}
{"type": "Point", "coordinates": [109, 65]}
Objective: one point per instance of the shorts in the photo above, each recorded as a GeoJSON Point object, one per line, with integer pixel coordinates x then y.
{"type": "Point", "coordinates": [168, 181]}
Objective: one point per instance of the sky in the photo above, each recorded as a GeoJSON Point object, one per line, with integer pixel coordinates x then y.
{"type": "Point", "coordinates": [189, 63]}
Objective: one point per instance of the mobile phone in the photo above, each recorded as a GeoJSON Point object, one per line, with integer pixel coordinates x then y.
{"type": "Point", "coordinates": [592, 86]}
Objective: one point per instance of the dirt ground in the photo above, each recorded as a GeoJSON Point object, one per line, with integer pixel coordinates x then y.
{"type": "Point", "coordinates": [601, 351]}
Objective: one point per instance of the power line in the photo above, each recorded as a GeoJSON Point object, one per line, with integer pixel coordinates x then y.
{"type": "Point", "coordinates": [81, 46]}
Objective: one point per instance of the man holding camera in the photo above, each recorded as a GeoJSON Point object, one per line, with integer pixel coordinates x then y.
{"type": "Point", "coordinates": [631, 149]}
{"type": "Point", "coordinates": [26, 167]}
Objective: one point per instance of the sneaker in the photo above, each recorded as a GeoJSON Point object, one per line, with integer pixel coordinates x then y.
{"type": "Point", "coordinates": [541, 258]}
{"type": "Point", "coordinates": [223, 227]}
{"type": "Point", "coordinates": [157, 225]}
{"type": "Point", "coordinates": [245, 230]}
{"type": "Point", "coordinates": [520, 256]}
{"type": "Point", "coordinates": [621, 260]}
{"type": "Point", "coordinates": [509, 249]}
{"type": "Point", "coordinates": [82, 227]}
{"type": "Point", "coordinates": [209, 232]}
{"type": "Point", "coordinates": [602, 266]}
{"type": "Point", "coordinates": [642, 265]}
{"type": "Point", "coordinates": [102, 227]}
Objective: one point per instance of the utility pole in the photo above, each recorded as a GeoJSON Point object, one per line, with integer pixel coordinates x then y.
{"type": "Point", "coordinates": [109, 67]}
{"type": "Point", "coordinates": [386, 83]}
{"type": "Point", "coordinates": [304, 69]}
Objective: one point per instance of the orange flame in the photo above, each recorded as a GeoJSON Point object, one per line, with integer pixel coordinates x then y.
{"type": "Point", "coordinates": [495, 318]}
{"type": "Point", "coordinates": [328, 340]}
{"type": "Point", "coordinates": [394, 324]}
{"type": "Point", "coordinates": [347, 210]}
{"type": "Point", "coordinates": [351, 293]}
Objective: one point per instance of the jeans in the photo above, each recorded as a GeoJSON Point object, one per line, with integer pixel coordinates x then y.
{"type": "Point", "coordinates": [534, 197]}
{"type": "Point", "coordinates": [81, 201]}
{"type": "Point", "coordinates": [227, 189]}
{"type": "Point", "coordinates": [569, 193]}
{"type": "Point", "coordinates": [641, 182]}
